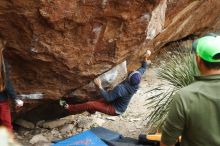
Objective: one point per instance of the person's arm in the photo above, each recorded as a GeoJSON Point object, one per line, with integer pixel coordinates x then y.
{"type": "Point", "coordinates": [143, 67]}
{"type": "Point", "coordinates": [174, 123]}
{"type": "Point", "coordinates": [9, 87]}
{"type": "Point", "coordinates": [111, 95]}
{"type": "Point", "coordinates": [10, 90]}
{"type": "Point", "coordinates": [145, 63]}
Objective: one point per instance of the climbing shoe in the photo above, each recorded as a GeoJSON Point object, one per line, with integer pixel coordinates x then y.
{"type": "Point", "coordinates": [63, 104]}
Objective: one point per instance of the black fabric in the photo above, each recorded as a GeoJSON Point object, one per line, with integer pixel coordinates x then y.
{"type": "Point", "coordinates": [143, 140]}
{"type": "Point", "coordinates": [106, 134]}
{"type": "Point", "coordinates": [112, 138]}
{"type": "Point", "coordinates": [125, 141]}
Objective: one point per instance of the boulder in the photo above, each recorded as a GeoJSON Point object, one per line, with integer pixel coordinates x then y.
{"type": "Point", "coordinates": [55, 123]}
{"type": "Point", "coordinates": [25, 124]}
{"type": "Point", "coordinates": [56, 48]}
{"type": "Point", "coordinates": [38, 139]}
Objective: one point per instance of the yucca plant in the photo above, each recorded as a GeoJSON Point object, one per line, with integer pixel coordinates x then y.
{"type": "Point", "coordinates": [178, 71]}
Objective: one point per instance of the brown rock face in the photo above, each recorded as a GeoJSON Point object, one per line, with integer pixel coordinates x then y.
{"type": "Point", "coordinates": [55, 47]}
{"type": "Point", "coordinates": [58, 46]}
{"type": "Point", "coordinates": [188, 18]}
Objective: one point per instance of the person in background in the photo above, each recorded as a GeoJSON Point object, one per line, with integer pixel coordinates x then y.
{"type": "Point", "coordinates": [7, 138]}
{"type": "Point", "coordinates": [6, 92]}
{"type": "Point", "coordinates": [194, 113]}
{"type": "Point", "coordinates": [114, 102]}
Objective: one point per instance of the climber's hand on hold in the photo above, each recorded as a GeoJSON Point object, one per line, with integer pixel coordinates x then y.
{"type": "Point", "coordinates": [98, 83]}
{"type": "Point", "coordinates": [19, 103]}
{"type": "Point", "coordinates": [147, 55]}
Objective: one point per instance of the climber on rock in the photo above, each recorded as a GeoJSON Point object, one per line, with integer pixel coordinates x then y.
{"type": "Point", "coordinates": [6, 92]}
{"type": "Point", "coordinates": [113, 102]}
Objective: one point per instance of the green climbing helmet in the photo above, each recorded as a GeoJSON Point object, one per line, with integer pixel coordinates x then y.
{"type": "Point", "coordinates": [208, 48]}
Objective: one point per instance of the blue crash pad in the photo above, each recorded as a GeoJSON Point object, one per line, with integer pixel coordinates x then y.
{"type": "Point", "coordinates": [86, 138]}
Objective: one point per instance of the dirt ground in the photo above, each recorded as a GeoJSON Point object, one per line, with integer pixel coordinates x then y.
{"type": "Point", "coordinates": [130, 124]}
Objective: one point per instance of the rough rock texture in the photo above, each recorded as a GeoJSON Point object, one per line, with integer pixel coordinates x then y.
{"type": "Point", "coordinates": [109, 80]}
{"type": "Point", "coordinates": [188, 18]}
{"type": "Point", "coordinates": [55, 47]}
{"type": "Point", "coordinates": [58, 46]}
